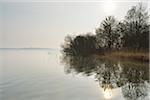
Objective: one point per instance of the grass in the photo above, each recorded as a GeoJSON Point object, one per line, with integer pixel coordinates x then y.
{"type": "Point", "coordinates": [128, 55]}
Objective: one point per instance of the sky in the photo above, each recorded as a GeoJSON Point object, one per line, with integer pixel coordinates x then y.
{"type": "Point", "coordinates": [44, 24]}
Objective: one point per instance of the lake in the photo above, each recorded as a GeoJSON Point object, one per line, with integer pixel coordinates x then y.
{"type": "Point", "coordinates": [45, 74]}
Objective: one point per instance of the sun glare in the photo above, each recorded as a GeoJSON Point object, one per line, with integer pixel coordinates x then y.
{"type": "Point", "coordinates": [108, 94]}
{"type": "Point", "coordinates": [109, 6]}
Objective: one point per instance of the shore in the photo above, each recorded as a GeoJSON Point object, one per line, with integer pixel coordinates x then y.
{"type": "Point", "coordinates": [142, 56]}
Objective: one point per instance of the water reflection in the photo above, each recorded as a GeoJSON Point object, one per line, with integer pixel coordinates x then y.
{"type": "Point", "coordinates": [108, 93]}
{"type": "Point", "coordinates": [131, 77]}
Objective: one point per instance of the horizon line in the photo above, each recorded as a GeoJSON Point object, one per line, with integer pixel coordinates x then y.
{"type": "Point", "coordinates": [27, 48]}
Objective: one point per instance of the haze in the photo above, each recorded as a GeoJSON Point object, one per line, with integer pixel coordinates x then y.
{"type": "Point", "coordinates": [45, 24]}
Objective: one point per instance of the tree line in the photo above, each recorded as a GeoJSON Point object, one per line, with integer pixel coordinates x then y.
{"type": "Point", "coordinates": [131, 33]}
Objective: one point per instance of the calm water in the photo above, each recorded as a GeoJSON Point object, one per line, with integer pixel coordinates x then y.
{"type": "Point", "coordinates": [35, 74]}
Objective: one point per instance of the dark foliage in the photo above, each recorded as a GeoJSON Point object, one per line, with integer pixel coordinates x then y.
{"type": "Point", "coordinates": [80, 45]}
{"type": "Point", "coordinates": [136, 28]}
{"type": "Point", "coordinates": [131, 33]}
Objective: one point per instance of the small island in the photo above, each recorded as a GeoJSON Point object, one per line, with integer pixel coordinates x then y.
{"type": "Point", "coordinates": [113, 39]}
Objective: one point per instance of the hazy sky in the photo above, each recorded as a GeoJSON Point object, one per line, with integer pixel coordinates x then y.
{"type": "Point", "coordinates": [45, 23]}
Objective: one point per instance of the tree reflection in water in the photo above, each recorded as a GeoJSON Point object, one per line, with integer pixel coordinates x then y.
{"type": "Point", "coordinates": [132, 78]}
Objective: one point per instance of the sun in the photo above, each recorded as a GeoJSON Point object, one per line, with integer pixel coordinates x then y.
{"type": "Point", "coordinates": [109, 6]}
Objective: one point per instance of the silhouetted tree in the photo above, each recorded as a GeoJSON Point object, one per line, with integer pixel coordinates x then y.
{"type": "Point", "coordinates": [131, 33]}
{"type": "Point", "coordinates": [80, 45]}
{"type": "Point", "coordinates": [107, 34]}
{"type": "Point", "coordinates": [136, 28]}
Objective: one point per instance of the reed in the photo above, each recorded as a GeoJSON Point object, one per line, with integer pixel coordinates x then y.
{"type": "Point", "coordinates": [128, 55]}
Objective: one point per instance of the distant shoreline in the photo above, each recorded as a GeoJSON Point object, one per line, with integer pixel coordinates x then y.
{"type": "Point", "coordinates": [32, 48]}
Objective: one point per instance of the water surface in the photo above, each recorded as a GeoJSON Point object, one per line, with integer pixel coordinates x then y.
{"type": "Point", "coordinates": [44, 74]}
